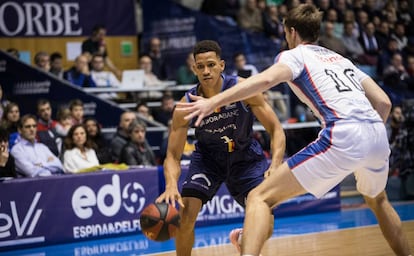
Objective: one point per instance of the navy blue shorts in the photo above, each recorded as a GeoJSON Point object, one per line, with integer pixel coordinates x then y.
{"type": "Point", "coordinates": [240, 171]}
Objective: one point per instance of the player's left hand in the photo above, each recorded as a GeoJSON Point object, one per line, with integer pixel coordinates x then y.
{"type": "Point", "coordinates": [200, 107]}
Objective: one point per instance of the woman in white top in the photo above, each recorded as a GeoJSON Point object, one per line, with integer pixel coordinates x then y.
{"type": "Point", "coordinates": [79, 153]}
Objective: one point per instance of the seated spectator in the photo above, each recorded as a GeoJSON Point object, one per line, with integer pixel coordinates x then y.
{"type": "Point", "coordinates": [100, 144]}
{"type": "Point", "coordinates": [249, 17]}
{"type": "Point", "coordinates": [278, 104]}
{"type": "Point", "coordinates": [143, 109]}
{"type": "Point", "coordinates": [395, 74]}
{"type": "Point", "coordinates": [3, 102]}
{"type": "Point", "coordinates": [10, 121]}
{"type": "Point", "coordinates": [384, 58]}
{"type": "Point", "coordinates": [158, 65]}
{"type": "Point", "coordinates": [7, 167]}
{"type": "Point", "coordinates": [76, 111]}
{"type": "Point", "coordinates": [399, 35]}
{"type": "Point", "coordinates": [330, 41]}
{"type": "Point", "coordinates": [79, 153]}
{"type": "Point", "coordinates": [64, 119]}
{"type": "Point", "coordinates": [164, 113]}
{"type": "Point", "coordinates": [185, 73]}
{"type": "Point", "coordinates": [338, 27]}
{"type": "Point", "coordinates": [101, 77]}
{"type": "Point", "coordinates": [33, 159]}
{"type": "Point", "coordinates": [42, 61]}
{"type": "Point", "coordinates": [241, 68]}
{"type": "Point", "coordinates": [121, 136]}
{"type": "Point", "coordinates": [150, 78]}
{"type": "Point", "coordinates": [79, 74]}
{"type": "Point", "coordinates": [394, 123]}
{"type": "Point", "coordinates": [56, 64]}
{"type": "Point", "coordinates": [410, 71]}
{"type": "Point", "coordinates": [137, 151]}
{"type": "Point", "coordinates": [96, 44]}
{"type": "Point", "coordinates": [272, 23]}
{"type": "Point", "coordinates": [46, 127]}
{"type": "Point", "coordinates": [369, 43]}
{"type": "Point", "coordinates": [353, 48]}
{"type": "Point", "coordinates": [14, 52]}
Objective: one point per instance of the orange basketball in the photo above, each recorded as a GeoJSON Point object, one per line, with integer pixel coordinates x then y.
{"type": "Point", "coordinates": [159, 221]}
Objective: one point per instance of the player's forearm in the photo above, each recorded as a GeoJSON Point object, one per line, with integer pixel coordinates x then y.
{"type": "Point", "coordinates": [172, 172]}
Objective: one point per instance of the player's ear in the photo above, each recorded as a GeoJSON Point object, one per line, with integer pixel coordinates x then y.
{"type": "Point", "coordinates": [222, 65]}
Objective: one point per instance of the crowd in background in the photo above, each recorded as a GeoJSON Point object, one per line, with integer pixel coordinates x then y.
{"type": "Point", "coordinates": [378, 36]}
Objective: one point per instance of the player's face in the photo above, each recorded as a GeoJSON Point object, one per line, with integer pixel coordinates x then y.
{"type": "Point", "coordinates": [208, 68]}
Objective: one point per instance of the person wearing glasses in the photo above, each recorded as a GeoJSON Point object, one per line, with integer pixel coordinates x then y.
{"type": "Point", "coordinates": [33, 159]}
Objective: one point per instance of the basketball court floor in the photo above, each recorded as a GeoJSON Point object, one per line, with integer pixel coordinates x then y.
{"type": "Point", "coordinates": [351, 231]}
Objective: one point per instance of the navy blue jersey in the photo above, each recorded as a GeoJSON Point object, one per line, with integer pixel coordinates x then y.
{"type": "Point", "coordinates": [228, 129]}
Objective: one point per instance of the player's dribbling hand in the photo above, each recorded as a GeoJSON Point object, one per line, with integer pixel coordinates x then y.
{"type": "Point", "coordinates": [169, 196]}
{"type": "Point", "coordinates": [200, 107]}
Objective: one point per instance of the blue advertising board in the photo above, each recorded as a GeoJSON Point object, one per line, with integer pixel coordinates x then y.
{"type": "Point", "coordinates": [57, 18]}
{"type": "Point", "coordinates": [71, 208]}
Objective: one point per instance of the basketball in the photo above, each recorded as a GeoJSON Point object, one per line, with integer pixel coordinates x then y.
{"type": "Point", "coordinates": [159, 221]}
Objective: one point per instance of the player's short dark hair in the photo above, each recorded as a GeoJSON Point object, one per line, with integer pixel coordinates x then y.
{"type": "Point", "coordinates": [306, 19]}
{"type": "Point", "coordinates": [207, 46]}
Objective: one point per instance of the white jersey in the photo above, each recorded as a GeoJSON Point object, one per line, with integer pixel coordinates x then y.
{"type": "Point", "coordinates": [329, 84]}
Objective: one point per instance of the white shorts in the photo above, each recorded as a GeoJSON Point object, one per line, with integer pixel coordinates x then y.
{"type": "Point", "coordinates": [344, 148]}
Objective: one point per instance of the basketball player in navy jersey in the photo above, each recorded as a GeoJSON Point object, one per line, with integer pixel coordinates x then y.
{"type": "Point", "coordinates": [352, 109]}
{"type": "Point", "coordinates": [226, 151]}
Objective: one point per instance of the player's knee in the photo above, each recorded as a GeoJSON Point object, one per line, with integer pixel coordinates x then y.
{"type": "Point", "coordinates": [255, 197]}
{"type": "Point", "coordinates": [374, 202]}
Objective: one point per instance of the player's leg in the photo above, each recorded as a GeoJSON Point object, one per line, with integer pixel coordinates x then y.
{"type": "Point", "coordinates": [184, 239]}
{"type": "Point", "coordinates": [390, 223]}
{"type": "Point", "coordinates": [275, 189]}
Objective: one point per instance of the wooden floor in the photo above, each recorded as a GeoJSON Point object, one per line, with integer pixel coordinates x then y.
{"type": "Point", "coordinates": [364, 241]}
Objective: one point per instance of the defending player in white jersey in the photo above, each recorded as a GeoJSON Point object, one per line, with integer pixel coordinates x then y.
{"type": "Point", "coordinates": [352, 109]}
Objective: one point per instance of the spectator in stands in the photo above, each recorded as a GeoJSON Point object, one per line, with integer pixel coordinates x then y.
{"type": "Point", "coordinates": [410, 71]}
{"type": "Point", "coordinates": [79, 153]}
{"type": "Point", "coordinates": [272, 23]}
{"type": "Point", "coordinates": [338, 27]}
{"type": "Point", "coordinates": [14, 52]}
{"type": "Point", "coordinates": [158, 66]}
{"type": "Point", "coordinates": [56, 64]}
{"type": "Point", "coordinates": [143, 109]}
{"type": "Point", "coordinates": [42, 61]}
{"type": "Point", "coordinates": [64, 119]}
{"type": "Point", "coordinates": [76, 111]}
{"type": "Point", "coordinates": [121, 137]}
{"type": "Point", "coordinates": [137, 151]}
{"type": "Point", "coordinates": [399, 35]}
{"type": "Point", "coordinates": [249, 17]}
{"type": "Point", "coordinates": [353, 48]}
{"type": "Point", "coordinates": [101, 77]}
{"type": "Point", "coordinates": [10, 121]}
{"type": "Point", "coordinates": [150, 79]}
{"type": "Point", "coordinates": [278, 104]}
{"type": "Point", "coordinates": [3, 102]}
{"type": "Point", "coordinates": [382, 33]}
{"type": "Point", "coordinates": [384, 58]}
{"type": "Point", "coordinates": [330, 41]}
{"type": "Point", "coordinates": [241, 68]}
{"type": "Point", "coordinates": [185, 73]}
{"type": "Point", "coordinates": [96, 44]}
{"type": "Point", "coordinates": [395, 74]}
{"type": "Point", "coordinates": [33, 159]}
{"type": "Point", "coordinates": [100, 144]}
{"type": "Point", "coordinates": [7, 166]}
{"type": "Point", "coordinates": [79, 74]}
{"type": "Point", "coordinates": [164, 113]}
{"type": "Point", "coordinates": [46, 127]}
{"type": "Point", "coordinates": [394, 123]}
{"type": "Point", "coordinates": [369, 44]}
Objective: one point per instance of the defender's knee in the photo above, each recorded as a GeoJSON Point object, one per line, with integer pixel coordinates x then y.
{"type": "Point", "coordinates": [376, 201]}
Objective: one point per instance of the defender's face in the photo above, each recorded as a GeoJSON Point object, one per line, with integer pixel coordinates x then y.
{"type": "Point", "coordinates": [208, 68]}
